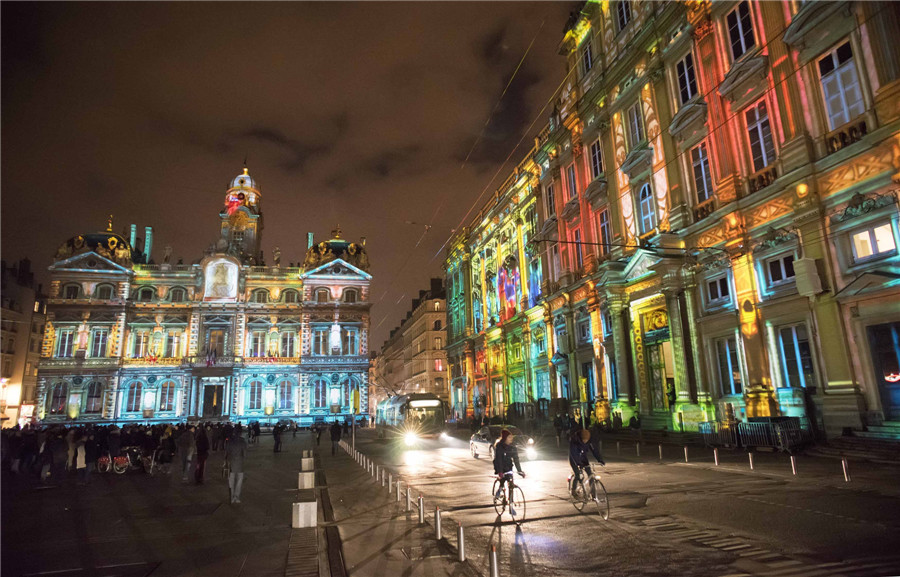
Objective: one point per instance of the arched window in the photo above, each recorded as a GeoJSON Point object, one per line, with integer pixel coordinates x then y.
{"type": "Point", "coordinates": [437, 325]}
{"type": "Point", "coordinates": [260, 296]}
{"type": "Point", "coordinates": [346, 393]}
{"type": "Point", "coordinates": [56, 401]}
{"type": "Point", "coordinates": [254, 401]}
{"type": "Point", "coordinates": [133, 397]}
{"type": "Point", "coordinates": [290, 296]}
{"type": "Point", "coordinates": [438, 343]}
{"type": "Point", "coordinates": [648, 209]}
{"type": "Point", "coordinates": [437, 305]}
{"type": "Point", "coordinates": [71, 291]}
{"type": "Point", "coordinates": [145, 294]}
{"type": "Point", "coordinates": [319, 394]}
{"type": "Point", "coordinates": [177, 295]}
{"type": "Point", "coordinates": [94, 402]}
{"type": "Point", "coordinates": [167, 396]}
{"type": "Point", "coordinates": [104, 292]}
{"type": "Point", "coordinates": [285, 395]}
{"type": "Point", "coordinates": [350, 296]}
{"type": "Point", "coordinates": [322, 295]}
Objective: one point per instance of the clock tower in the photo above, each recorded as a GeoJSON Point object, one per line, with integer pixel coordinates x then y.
{"type": "Point", "coordinates": [241, 219]}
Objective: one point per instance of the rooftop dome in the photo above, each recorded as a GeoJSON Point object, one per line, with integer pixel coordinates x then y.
{"type": "Point", "coordinates": [244, 180]}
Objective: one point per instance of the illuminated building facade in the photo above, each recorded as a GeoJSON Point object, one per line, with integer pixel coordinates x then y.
{"type": "Point", "coordinates": [413, 359]}
{"type": "Point", "coordinates": [227, 337]}
{"type": "Point", "coordinates": [719, 218]}
{"type": "Point", "coordinates": [496, 326]}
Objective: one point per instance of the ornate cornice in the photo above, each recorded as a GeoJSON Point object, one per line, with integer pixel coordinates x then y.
{"type": "Point", "coordinates": [861, 204]}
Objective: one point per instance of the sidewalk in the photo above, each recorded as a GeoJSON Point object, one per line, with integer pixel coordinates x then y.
{"type": "Point", "coordinates": [378, 536]}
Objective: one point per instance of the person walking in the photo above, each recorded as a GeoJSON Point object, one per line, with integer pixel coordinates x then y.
{"type": "Point", "coordinates": [335, 437]}
{"type": "Point", "coordinates": [202, 444]}
{"type": "Point", "coordinates": [235, 451]}
{"type": "Point", "coordinates": [276, 435]}
{"type": "Point", "coordinates": [318, 434]}
{"type": "Point", "coordinates": [91, 454]}
{"type": "Point", "coordinates": [186, 447]}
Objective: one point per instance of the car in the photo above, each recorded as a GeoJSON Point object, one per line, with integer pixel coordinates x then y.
{"type": "Point", "coordinates": [484, 439]}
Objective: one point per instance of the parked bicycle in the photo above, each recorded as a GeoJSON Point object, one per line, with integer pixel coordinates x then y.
{"type": "Point", "coordinates": [589, 489]}
{"type": "Point", "coordinates": [130, 458]}
{"type": "Point", "coordinates": [104, 463]}
{"type": "Point", "coordinates": [511, 497]}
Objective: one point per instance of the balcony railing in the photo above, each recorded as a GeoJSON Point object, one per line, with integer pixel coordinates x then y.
{"type": "Point", "coordinates": [704, 209]}
{"type": "Point", "coordinates": [762, 179]}
{"type": "Point", "coordinates": [845, 136]}
{"type": "Point", "coordinates": [165, 361]}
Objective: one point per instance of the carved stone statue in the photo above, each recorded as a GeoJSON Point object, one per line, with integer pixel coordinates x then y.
{"type": "Point", "coordinates": [276, 256]}
{"type": "Point", "coordinates": [167, 254]}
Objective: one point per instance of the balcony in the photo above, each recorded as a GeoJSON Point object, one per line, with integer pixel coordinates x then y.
{"type": "Point", "coordinates": [271, 360]}
{"type": "Point", "coordinates": [704, 209]}
{"type": "Point", "coordinates": [845, 136]}
{"type": "Point", "coordinates": [146, 361]}
{"type": "Point", "coordinates": [204, 361]}
{"type": "Point", "coordinates": [761, 179]}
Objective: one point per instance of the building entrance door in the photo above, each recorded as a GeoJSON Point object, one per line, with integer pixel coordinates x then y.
{"type": "Point", "coordinates": [661, 371]}
{"type": "Point", "coordinates": [884, 341]}
{"type": "Point", "coordinates": [213, 400]}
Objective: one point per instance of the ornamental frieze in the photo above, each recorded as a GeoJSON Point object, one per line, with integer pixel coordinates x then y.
{"type": "Point", "coordinates": [879, 160]}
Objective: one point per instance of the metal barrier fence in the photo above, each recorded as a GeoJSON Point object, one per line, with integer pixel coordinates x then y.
{"type": "Point", "coordinates": [782, 433]}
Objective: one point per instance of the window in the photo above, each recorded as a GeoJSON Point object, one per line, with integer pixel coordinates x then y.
{"type": "Point", "coordinates": [167, 396]}
{"type": "Point", "coordinates": [145, 294]}
{"type": "Point", "coordinates": [237, 236]}
{"type": "Point", "coordinates": [173, 345]}
{"type": "Point", "coordinates": [648, 209]}
{"type": "Point", "coordinates": [796, 357]}
{"type": "Point", "coordinates": [258, 344]}
{"type": "Point", "coordinates": [605, 231]}
{"type": "Point", "coordinates": [133, 397]}
{"type": "Point", "coordinates": [551, 201]}
{"type": "Point", "coordinates": [717, 291]}
{"type": "Point", "coordinates": [93, 404]}
{"type": "Point", "coordinates": [437, 325]}
{"type": "Point", "coordinates": [322, 296]}
{"type": "Point", "coordinates": [740, 30]}
{"type": "Point", "coordinates": [319, 394]}
{"type": "Point", "coordinates": [702, 180]}
{"type": "Point", "coordinates": [635, 125]}
{"type": "Point", "coordinates": [687, 80]}
{"type": "Point", "coordinates": [579, 256]}
{"type": "Point", "coordinates": [350, 296]}
{"type": "Point", "coordinates": [587, 57]}
{"type": "Point", "coordinates": [177, 295]}
{"type": "Point", "coordinates": [840, 86]}
{"type": "Point", "coordinates": [540, 344]}
{"type": "Point", "coordinates": [141, 344]}
{"type": "Point", "coordinates": [71, 291]}
{"type": "Point", "coordinates": [290, 296]}
{"type": "Point", "coordinates": [780, 270]}
{"type": "Point", "coordinates": [104, 292]}
{"type": "Point", "coordinates": [65, 343]}
{"type": "Point", "coordinates": [873, 242]}
{"type": "Point", "coordinates": [571, 183]}
{"type": "Point", "coordinates": [260, 296]}
{"type": "Point", "coordinates": [216, 341]}
{"type": "Point", "coordinates": [287, 344]}
{"type": "Point", "coordinates": [555, 262]}
{"type": "Point", "coordinates": [57, 399]}
{"type": "Point", "coordinates": [254, 400]}
{"type": "Point", "coordinates": [439, 365]}
{"type": "Point", "coordinates": [350, 342]}
{"type": "Point", "coordinates": [729, 371]}
{"type": "Point", "coordinates": [762, 147]}
{"type": "Point", "coordinates": [320, 341]}
{"type": "Point", "coordinates": [584, 331]}
{"type": "Point", "coordinates": [607, 323]}
{"type": "Point", "coordinates": [596, 159]}
{"type": "Point", "coordinates": [99, 342]}
{"type": "Point", "coordinates": [438, 343]}
{"type": "Point", "coordinates": [587, 372]}
{"type": "Point", "coordinates": [437, 305]}
{"type": "Point", "coordinates": [623, 13]}
{"type": "Point", "coordinates": [285, 395]}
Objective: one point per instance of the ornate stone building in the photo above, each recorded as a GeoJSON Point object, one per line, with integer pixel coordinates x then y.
{"type": "Point", "coordinates": [225, 338]}
{"type": "Point", "coordinates": [719, 219]}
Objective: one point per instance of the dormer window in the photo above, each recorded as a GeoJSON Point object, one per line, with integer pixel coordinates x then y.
{"type": "Point", "coordinates": [145, 295]}
{"type": "Point", "coordinates": [104, 292]}
{"type": "Point", "coordinates": [260, 296]}
{"type": "Point", "coordinates": [177, 295]}
{"type": "Point", "coordinates": [322, 296]}
{"type": "Point", "coordinates": [350, 296]}
{"type": "Point", "coordinates": [72, 291]}
{"type": "Point", "coordinates": [290, 296]}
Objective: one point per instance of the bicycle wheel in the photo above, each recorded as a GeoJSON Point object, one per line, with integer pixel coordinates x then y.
{"type": "Point", "coordinates": [598, 493]}
{"type": "Point", "coordinates": [103, 465]}
{"type": "Point", "coordinates": [499, 502]}
{"type": "Point", "coordinates": [518, 504]}
{"type": "Point", "coordinates": [120, 467]}
{"type": "Point", "coordinates": [580, 496]}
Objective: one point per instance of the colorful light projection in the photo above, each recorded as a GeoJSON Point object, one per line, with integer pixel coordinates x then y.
{"type": "Point", "coordinates": [509, 288]}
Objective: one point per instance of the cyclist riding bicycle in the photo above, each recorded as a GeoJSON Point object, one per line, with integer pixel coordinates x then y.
{"type": "Point", "coordinates": [579, 449]}
{"type": "Point", "coordinates": [505, 456]}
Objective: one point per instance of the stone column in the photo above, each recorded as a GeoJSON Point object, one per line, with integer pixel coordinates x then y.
{"type": "Point", "coordinates": [470, 379]}
{"type": "Point", "coordinates": [601, 400]}
{"type": "Point", "coordinates": [677, 334]}
{"type": "Point", "coordinates": [550, 337]}
{"type": "Point", "coordinates": [618, 307]}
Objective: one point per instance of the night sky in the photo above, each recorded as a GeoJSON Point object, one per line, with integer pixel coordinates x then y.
{"type": "Point", "coordinates": [353, 113]}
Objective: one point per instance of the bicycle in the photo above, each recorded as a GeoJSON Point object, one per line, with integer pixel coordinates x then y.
{"type": "Point", "coordinates": [513, 496]}
{"type": "Point", "coordinates": [589, 488]}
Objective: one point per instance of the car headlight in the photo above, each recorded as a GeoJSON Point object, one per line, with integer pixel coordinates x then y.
{"type": "Point", "coordinates": [530, 441]}
{"type": "Point", "coordinates": [410, 438]}
{"type": "Point", "coordinates": [531, 453]}
{"type": "Point", "coordinates": [445, 436]}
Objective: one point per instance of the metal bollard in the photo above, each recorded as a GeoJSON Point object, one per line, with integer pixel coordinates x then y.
{"type": "Point", "coordinates": [383, 478]}
{"type": "Point", "coordinates": [685, 454]}
{"type": "Point", "coordinates": [408, 499]}
{"type": "Point", "coordinates": [398, 490]}
{"type": "Point", "coordinates": [494, 566]}
{"type": "Point", "coordinates": [421, 510]}
{"type": "Point", "coordinates": [618, 447]}
{"type": "Point", "coordinates": [637, 448]}
{"type": "Point", "coordinates": [461, 542]}
{"type": "Point", "coordinates": [660, 451]}
{"type": "Point", "coordinates": [793, 464]}
{"type": "Point", "coordinates": [390, 482]}
{"type": "Point", "coordinates": [716, 456]}
{"type": "Point", "coordinates": [751, 460]}
{"type": "Point", "coordinates": [437, 523]}
{"type": "Point", "coordinates": [846, 467]}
